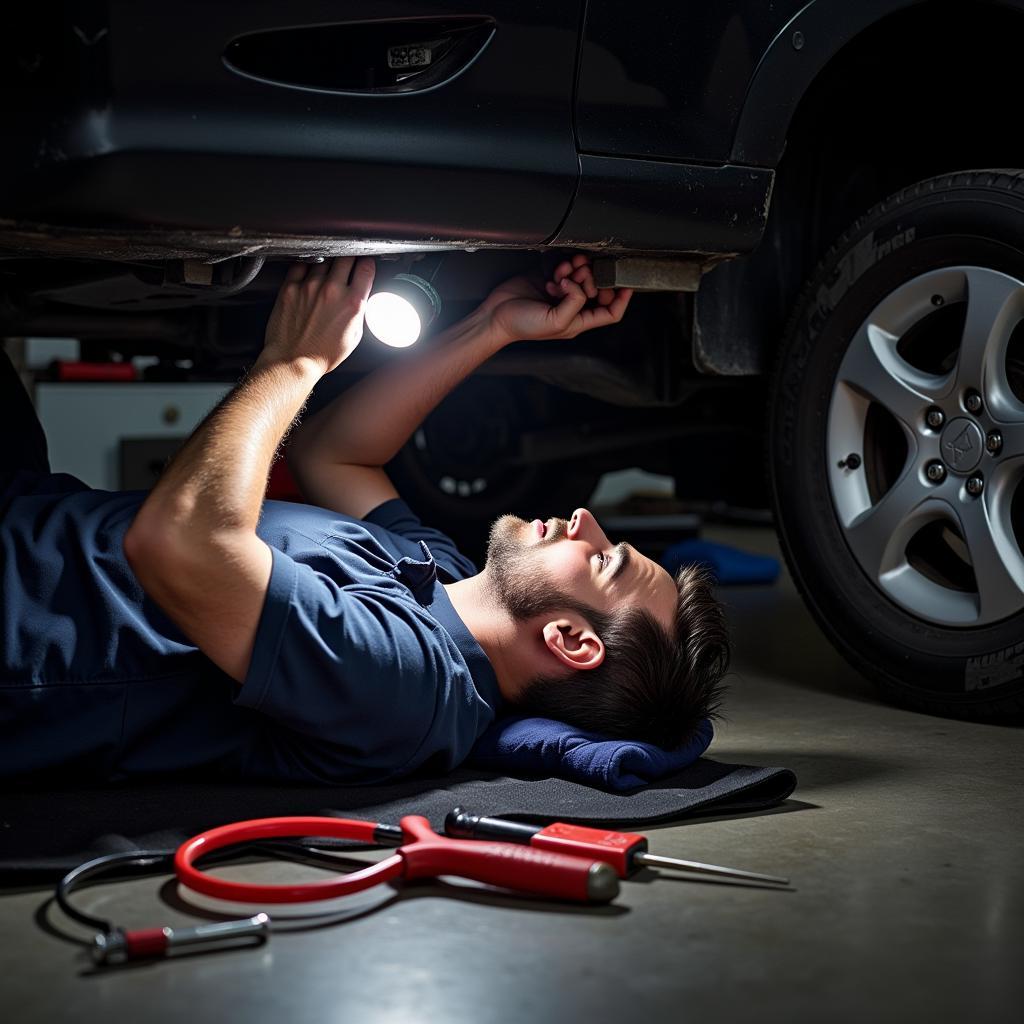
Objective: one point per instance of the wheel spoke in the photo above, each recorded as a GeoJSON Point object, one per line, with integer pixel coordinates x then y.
{"type": "Point", "coordinates": [879, 535]}
{"type": "Point", "coordinates": [995, 304]}
{"type": "Point", "coordinates": [1013, 440]}
{"type": "Point", "coordinates": [874, 368]}
{"type": "Point", "coordinates": [998, 563]}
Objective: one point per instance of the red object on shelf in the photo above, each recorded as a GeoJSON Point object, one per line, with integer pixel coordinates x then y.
{"type": "Point", "coordinates": [282, 486]}
{"type": "Point", "coordinates": [70, 371]}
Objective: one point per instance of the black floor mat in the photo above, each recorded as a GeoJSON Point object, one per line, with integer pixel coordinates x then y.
{"type": "Point", "coordinates": [44, 833]}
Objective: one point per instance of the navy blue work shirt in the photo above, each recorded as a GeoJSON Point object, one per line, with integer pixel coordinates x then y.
{"type": "Point", "coordinates": [361, 671]}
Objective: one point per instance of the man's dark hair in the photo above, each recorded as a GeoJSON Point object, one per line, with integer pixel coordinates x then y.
{"type": "Point", "coordinates": [651, 686]}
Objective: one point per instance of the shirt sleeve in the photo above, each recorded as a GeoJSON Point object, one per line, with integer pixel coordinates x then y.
{"type": "Point", "coordinates": [357, 672]}
{"type": "Point", "coordinates": [396, 516]}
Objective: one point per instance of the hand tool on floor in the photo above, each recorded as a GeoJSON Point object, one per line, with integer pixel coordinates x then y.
{"type": "Point", "coordinates": [422, 853]}
{"type": "Point", "coordinates": [624, 851]}
{"type": "Point", "coordinates": [566, 861]}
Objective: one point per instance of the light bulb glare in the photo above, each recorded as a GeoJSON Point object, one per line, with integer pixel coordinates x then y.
{"type": "Point", "coordinates": [393, 319]}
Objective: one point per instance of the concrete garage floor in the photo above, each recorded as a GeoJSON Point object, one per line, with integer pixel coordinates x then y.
{"type": "Point", "coordinates": [902, 841]}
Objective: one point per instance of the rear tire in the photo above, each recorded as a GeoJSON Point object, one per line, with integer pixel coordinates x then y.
{"type": "Point", "coordinates": [917, 581]}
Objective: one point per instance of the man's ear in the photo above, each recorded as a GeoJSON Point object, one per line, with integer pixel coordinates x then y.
{"type": "Point", "coordinates": [572, 641]}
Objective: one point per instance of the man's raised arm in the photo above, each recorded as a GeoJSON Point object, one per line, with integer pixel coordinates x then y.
{"type": "Point", "coordinates": [193, 543]}
{"type": "Point", "coordinates": [337, 455]}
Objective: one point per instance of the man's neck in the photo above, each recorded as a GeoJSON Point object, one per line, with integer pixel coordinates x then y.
{"type": "Point", "coordinates": [492, 627]}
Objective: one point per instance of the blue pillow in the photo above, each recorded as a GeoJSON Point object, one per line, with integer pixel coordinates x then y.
{"type": "Point", "coordinates": [540, 746]}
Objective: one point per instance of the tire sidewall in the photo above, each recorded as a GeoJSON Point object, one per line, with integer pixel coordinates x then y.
{"type": "Point", "coordinates": [942, 227]}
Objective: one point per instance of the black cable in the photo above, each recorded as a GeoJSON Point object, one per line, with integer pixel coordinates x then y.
{"type": "Point", "coordinates": [161, 860]}
{"type": "Point", "coordinates": [98, 866]}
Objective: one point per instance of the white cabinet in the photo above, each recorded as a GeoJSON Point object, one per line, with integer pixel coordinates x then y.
{"type": "Point", "coordinates": [119, 435]}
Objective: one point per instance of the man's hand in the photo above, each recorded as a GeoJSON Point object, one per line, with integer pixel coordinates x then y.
{"type": "Point", "coordinates": [520, 311]}
{"type": "Point", "coordinates": [337, 455]}
{"type": "Point", "coordinates": [319, 312]}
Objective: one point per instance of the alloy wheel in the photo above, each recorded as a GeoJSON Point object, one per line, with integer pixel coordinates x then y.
{"type": "Point", "coordinates": [925, 446]}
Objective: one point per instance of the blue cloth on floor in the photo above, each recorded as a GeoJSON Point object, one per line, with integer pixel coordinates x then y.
{"type": "Point", "coordinates": [540, 746]}
{"type": "Point", "coordinates": [729, 565]}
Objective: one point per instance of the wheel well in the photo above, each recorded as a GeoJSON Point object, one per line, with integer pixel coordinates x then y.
{"type": "Point", "coordinates": [913, 96]}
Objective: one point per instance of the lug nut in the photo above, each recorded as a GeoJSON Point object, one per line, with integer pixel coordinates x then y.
{"type": "Point", "coordinates": [934, 418]}
{"type": "Point", "coordinates": [972, 401]}
{"type": "Point", "coordinates": [852, 461]}
{"type": "Point", "coordinates": [936, 472]}
{"type": "Point", "coordinates": [974, 485]}
{"type": "Point", "coordinates": [994, 442]}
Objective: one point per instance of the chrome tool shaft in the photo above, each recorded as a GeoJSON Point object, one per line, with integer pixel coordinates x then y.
{"type": "Point", "coordinates": [654, 861]}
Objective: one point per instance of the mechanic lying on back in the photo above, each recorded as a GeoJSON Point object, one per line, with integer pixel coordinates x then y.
{"type": "Point", "coordinates": [200, 629]}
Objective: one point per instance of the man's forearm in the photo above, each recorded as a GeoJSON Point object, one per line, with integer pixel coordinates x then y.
{"type": "Point", "coordinates": [369, 422]}
{"type": "Point", "coordinates": [216, 483]}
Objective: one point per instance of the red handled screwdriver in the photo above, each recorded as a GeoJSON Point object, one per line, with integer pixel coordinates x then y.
{"type": "Point", "coordinates": [626, 852]}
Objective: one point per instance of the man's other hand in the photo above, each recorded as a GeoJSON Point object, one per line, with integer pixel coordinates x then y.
{"type": "Point", "coordinates": [319, 312]}
{"type": "Point", "coordinates": [568, 305]}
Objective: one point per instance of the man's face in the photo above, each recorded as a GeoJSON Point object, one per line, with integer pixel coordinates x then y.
{"type": "Point", "coordinates": [531, 564]}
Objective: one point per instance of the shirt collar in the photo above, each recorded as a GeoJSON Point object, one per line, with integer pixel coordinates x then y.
{"type": "Point", "coordinates": [419, 575]}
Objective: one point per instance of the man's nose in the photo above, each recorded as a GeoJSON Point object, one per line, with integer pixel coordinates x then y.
{"type": "Point", "coordinates": [583, 526]}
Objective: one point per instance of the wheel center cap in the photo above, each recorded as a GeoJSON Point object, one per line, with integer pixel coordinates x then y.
{"type": "Point", "coordinates": [962, 445]}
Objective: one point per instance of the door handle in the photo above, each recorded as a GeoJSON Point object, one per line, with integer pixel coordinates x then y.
{"type": "Point", "coordinates": [366, 57]}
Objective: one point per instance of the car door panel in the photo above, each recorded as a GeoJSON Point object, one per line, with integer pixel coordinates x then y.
{"type": "Point", "coordinates": [146, 121]}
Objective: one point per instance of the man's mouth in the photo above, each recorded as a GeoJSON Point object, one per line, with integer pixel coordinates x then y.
{"type": "Point", "coordinates": [540, 527]}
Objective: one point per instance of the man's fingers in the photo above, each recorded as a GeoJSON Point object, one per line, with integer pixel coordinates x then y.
{"type": "Point", "coordinates": [584, 277]}
{"type": "Point", "coordinates": [316, 274]}
{"type": "Point", "coordinates": [363, 274]}
{"type": "Point", "coordinates": [596, 316]}
{"type": "Point", "coordinates": [296, 272]}
{"type": "Point", "coordinates": [573, 300]}
{"type": "Point", "coordinates": [620, 302]}
{"type": "Point", "coordinates": [341, 267]}
{"type": "Point", "coordinates": [605, 296]}
{"type": "Point", "coordinates": [580, 272]}
{"type": "Point", "coordinates": [602, 316]}
{"type": "Point", "coordinates": [564, 269]}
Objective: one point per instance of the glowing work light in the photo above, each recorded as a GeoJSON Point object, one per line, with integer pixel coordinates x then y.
{"type": "Point", "coordinates": [401, 309]}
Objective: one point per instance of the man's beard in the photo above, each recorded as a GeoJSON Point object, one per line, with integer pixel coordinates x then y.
{"type": "Point", "coordinates": [515, 571]}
